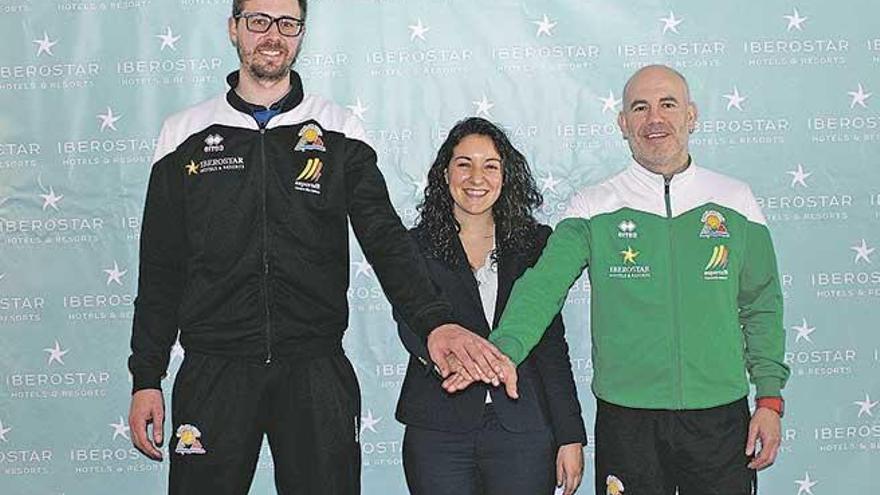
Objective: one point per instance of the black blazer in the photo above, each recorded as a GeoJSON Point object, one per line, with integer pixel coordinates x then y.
{"type": "Point", "coordinates": [546, 385]}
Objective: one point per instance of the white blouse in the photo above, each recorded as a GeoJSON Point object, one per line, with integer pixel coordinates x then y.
{"type": "Point", "coordinates": [487, 283]}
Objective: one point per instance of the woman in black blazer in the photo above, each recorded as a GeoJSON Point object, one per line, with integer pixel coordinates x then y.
{"type": "Point", "coordinates": [477, 234]}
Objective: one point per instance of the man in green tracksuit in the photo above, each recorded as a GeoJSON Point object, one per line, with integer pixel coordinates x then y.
{"type": "Point", "coordinates": [686, 308]}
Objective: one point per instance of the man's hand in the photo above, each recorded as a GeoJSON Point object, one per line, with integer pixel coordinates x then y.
{"type": "Point", "coordinates": [764, 427]}
{"type": "Point", "coordinates": [147, 407]}
{"type": "Point", "coordinates": [460, 379]}
{"type": "Point", "coordinates": [570, 467]}
{"type": "Point", "coordinates": [480, 358]}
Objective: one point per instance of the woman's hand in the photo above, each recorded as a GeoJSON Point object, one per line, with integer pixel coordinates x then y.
{"type": "Point", "coordinates": [570, 467]}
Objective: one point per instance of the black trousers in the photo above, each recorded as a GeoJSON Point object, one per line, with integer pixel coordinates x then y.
{"type": "Point", "coordinates": [222, 408]}
{"type": "Point", "coordinates": [487, 461]}
{"type": "Point", "coordinates": [655, 452]}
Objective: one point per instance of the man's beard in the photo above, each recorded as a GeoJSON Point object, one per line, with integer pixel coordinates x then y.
{"type": "Point", "coordinates": [264, 72]}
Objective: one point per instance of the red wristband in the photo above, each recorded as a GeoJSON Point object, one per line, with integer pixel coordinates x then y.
{"type": "Point", "coordinates": [776, 404]}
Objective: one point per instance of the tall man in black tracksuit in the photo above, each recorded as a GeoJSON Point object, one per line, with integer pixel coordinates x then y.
{"type": "Point", "coordinates": [244, 250]}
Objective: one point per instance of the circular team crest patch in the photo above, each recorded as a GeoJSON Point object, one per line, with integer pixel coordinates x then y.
{"type": "Point", "coordinates": [714, 225]}
{"type": "Point", "coordinates": [188, 442]}
{"type": "Point", "coordinates": [613, 485]}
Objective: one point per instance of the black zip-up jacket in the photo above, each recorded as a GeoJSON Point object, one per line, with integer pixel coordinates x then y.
{"type": "Point", "coordinates": [244, 242]}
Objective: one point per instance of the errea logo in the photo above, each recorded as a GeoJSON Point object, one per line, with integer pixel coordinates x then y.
{"type": "Point", "coordinates": [212, 143]}
{"type": "Point", "coordinates": [627, 230]}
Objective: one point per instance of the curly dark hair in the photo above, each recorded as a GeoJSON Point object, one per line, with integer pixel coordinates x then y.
{"type": "Point", "coordinates": [515, 224]}
{"type": "Point", "coordinates": [238, 6]}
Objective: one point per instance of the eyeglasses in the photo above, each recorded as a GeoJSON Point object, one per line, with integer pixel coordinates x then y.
{"type": "Point", "coordinates": [258, 22]}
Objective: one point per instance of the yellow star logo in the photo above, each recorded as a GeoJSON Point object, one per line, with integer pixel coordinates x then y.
{"type": "Point", "coordinates": [192, 168]}
{"type": "Point", "coordinates": [629, 256]}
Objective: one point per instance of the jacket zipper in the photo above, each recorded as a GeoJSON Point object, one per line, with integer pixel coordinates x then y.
{"type": "Point", "coordinates": [676, 339]}
{"type": "Point", "coordinates": [265, 277]}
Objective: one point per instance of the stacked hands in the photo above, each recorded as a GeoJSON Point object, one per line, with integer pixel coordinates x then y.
{"type": "Point", "coordinates": [464, 357]}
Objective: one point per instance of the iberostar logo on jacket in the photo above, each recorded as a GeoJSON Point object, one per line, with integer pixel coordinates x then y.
{"type": "Point", "coordinates": [630, 267]}
{"type": "Point", "coordinates": [307, 180]}
{"type": "Point", "coordinates": [215, 165]}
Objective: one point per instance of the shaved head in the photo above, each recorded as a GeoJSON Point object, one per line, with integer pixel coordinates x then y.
{"type": "Point", "coordinates": [655, 69]}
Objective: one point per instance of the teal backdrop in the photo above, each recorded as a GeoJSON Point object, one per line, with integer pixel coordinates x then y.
{"type": "Point", "coordinates": [789, 99]}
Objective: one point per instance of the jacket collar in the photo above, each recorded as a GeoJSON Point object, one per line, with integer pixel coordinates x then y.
{"type": "Point", "coordinates": [288, 102]}
{"type": "Point", "coordinates": [656, 181]}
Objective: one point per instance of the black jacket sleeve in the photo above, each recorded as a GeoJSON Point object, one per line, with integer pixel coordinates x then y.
{"type": "Point", "coordinates": [415, 346]}
{"type": "Point", "coordinates": [554, 367]}
{"type": "Point", "coordinates": [161, 276]}
{"type": "Point", "coordinates": [389, 249]}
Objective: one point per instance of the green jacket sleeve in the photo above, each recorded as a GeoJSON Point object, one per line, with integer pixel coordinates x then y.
{"type": "Point", "coordinates": [539, 294]}
{"type": "Point", "coordinates": [760, 314]}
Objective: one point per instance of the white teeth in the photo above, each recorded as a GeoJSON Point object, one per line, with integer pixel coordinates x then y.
{"type": "Point", "coordinates": [478, 194]}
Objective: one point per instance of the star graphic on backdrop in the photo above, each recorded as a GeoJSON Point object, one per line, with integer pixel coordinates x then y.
{"type": "Point", "coordinates": [362, 268]}
{"type": "Point", "coordinates": [56, 354]}
{"type": "Point", "coordinates": [609, 103]}
{"type": "Point", "coordinates": [629, 256]}
{"type": "Point", "coordinates": [368, 422]}
{"type": "Point", "coordinates": [120, 429]}
{"type": "Point", "coordinates": [108, 120]}
{"type": "Point", "coordinates": [45, 45]}
{"type": "Point", "coordinates": [3, 431]}
{"type": "Point", "coordinates": [483, 106]}
{"type": "Point", "coordinates": [795, 21]}
{"type": "Point", "coordinates": [549, 183]}
{"type": "Point", "coordinates": [168, 39]}
{"type": "Point", "coordinates": [192, 168]}
{"type": "Point", "coordinates": [358, 109]}
{"type": "Point", "coordinates": [865, 406]}
{"type": "Point", "coordinates": [670, 23]}
{"type": "Point", "coordinates": [859, 97]}
{"type": "Point", "coordinates": [799, 176]}
{"type": "Point", "coordinates": [863, 252]}
{"type": "Point", "coordinates": [51, 199]}
{"type": "Point", "coordinates": [805, 485]}
{"type": "Point", "coordinates": [177, 351]}
{"type": "Point", "coordinates": [803, 331]}
{"type": "Point", "coordinates": [418, 31]}
{"type": "Point", "coordinates": [114, 274]}
{"type": "Point", "coordinates": [734, 99]}
{"type": "Point", "coordinates": [545, 26]}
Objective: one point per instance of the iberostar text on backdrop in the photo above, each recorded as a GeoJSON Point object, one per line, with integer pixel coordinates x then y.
{"type": "Point", "coordinates": [788, 94]}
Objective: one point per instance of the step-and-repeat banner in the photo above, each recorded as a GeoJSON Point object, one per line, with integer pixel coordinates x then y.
{"type": "Point", "coordinates": [786, 91]}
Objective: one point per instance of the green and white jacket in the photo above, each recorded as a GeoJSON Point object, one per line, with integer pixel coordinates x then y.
{"type": "Point", "coordinates": [685, 294]}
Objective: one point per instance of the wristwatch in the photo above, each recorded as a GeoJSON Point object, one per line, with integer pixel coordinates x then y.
{"type": "Point", "coordinates": [776, 404]}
